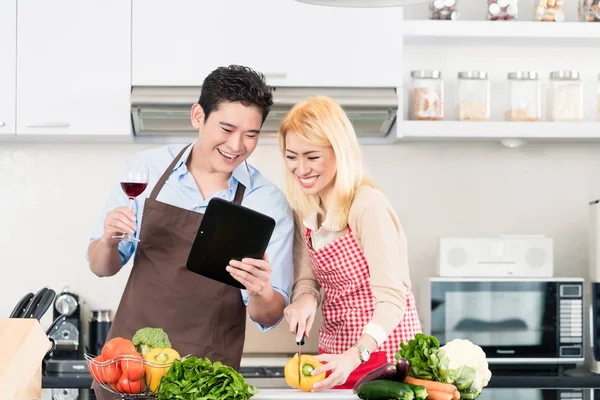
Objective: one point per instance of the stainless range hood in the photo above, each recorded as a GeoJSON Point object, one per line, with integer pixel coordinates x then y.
{"type": "Point", "coordinates": [163, 112]}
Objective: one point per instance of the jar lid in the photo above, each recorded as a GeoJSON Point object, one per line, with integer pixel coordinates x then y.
{"type": "Point", "coordinates": [523, 75]}
{"type": "Point", "coordinates": [565, 75]}
{"type": "Point", "coordinates": [426, 74]}
{"type": "Point", "coordinates": [472, 75]}
{"type": "Point", "coordinates": [101, 315]}
{"type": "Point", "coordinates": [512, 10]}
{"type": "Point", "coordinates": [494, 9]}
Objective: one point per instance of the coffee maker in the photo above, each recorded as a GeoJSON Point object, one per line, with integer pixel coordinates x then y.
{"type": "Point", "coordinates": [69, 337]}
{"type": "Point", "coordinates": [592, 292]}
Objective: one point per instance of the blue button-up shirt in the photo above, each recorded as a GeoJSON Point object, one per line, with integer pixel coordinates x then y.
{"type": "Point", "coordinates": [180, 190]}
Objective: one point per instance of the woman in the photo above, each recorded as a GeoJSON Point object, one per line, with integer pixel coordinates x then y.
{"type": "Point", "coordinates": [349, 243]}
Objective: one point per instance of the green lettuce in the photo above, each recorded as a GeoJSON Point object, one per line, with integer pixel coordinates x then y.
{"type": "Point", "coordinates": [421, 353]}
{"type": "Point", "coordinates": [196, 378]}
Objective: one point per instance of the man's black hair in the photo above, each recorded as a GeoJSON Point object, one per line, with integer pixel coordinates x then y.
{"type": "Point", "coordinates": [235, 83]}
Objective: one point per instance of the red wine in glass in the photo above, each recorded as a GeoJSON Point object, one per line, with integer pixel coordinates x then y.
{"type": "Point", "coordinates": [133, 183]}
{"type": "Point", "coordinates": [133, 189]}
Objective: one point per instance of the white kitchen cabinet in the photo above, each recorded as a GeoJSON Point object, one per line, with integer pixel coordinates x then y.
{"type": "Point", "coordinates": [8, 48]}
{"type": "Point", "coordinates": [74, 67]}
{"type": "Point", "coordinates": [292, 43]}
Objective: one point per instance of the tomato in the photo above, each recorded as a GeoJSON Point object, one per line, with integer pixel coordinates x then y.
{"type": "Point", "coordinates": [133, 370]}
{"type": "Point", "coordinates": [95, 370]}
{"type": "Point", "coordinates": [118, 347]}
{"type": "Point", "coordinates": [131, 387]}
{"type": "Point", "coordinates": [104, 373]}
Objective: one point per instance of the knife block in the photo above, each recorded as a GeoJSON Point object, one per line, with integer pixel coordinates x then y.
{"type": "Point", "coordinates": [23, 345]}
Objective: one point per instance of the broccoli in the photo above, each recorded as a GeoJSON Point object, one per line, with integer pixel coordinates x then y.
{"type": "Point", "coordinates": [146, 339]}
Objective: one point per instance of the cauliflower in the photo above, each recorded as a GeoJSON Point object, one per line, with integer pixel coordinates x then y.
{"type": "Point", "coordinates": [464, 365]}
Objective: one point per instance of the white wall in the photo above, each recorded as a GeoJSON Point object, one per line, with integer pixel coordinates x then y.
{"type": "Point", "coordinates": [51, 195]}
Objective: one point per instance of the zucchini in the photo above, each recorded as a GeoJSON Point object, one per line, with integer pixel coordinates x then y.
{"type": "Point", "coordinates": [385, 389]}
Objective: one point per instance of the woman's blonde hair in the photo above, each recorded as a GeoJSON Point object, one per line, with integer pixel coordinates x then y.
{"type": "Point", "coordinates": [320, 121]}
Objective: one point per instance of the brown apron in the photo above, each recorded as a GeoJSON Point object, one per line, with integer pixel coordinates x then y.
{"type": "Point", "coordinates": [202, 317]}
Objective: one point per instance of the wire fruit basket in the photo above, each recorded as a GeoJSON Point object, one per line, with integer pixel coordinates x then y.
{"type": "Point", "coordinates": [129, 376]}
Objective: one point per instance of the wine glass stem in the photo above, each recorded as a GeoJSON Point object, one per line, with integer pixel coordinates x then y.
{"type": "Point", "coordinates": [131, 202]}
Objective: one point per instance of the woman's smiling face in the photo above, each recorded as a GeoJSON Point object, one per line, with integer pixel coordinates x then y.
{"type": "Point", "coordinates": [313, 166]}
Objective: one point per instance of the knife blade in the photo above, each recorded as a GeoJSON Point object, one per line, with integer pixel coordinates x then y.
{"type": "Point", "coordinates": [300, 344]}
{"type": "Point", "coordinates": [21, 305]}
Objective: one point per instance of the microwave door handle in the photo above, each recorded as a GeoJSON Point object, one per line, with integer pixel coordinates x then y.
{"type": "Point", "coordinates": [591, 319]}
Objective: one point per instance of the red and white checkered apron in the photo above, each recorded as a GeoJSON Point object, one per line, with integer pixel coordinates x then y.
{"type": "Point", "coordinates": [348, 305]}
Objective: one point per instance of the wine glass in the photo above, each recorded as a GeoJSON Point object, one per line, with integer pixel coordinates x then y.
{"type": "Point", "coordinates": [133, 183]}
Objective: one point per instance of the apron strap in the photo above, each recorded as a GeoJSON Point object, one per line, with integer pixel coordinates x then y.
{"type": "Point", "coordinates": [166, 174]}
{"type": "Point", "coordinates": [239, 193]}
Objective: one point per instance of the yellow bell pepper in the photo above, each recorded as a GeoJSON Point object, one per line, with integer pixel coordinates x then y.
{"type": "Point", "coordinates": [308, 364]}
{"type": "Point", "coordinates": [161, 360]}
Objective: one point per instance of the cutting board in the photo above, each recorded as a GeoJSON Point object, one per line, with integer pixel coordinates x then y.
{"type": "Point", "coordinates": [295, 394]}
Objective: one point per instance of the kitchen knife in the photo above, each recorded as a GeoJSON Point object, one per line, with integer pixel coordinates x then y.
{"type": "Point", "coordinates": [21, 305]}
{"type": "Point", "coordinates": [34, 303]}
{"type": "Point", "coordinates": [44, 304]}
{"type": "Point", "coordinates": [56, 324]}
{"type": "Point", "coordinates": [300, 344]}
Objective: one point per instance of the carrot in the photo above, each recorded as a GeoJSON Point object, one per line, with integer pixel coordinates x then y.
{"type": "Point", "coordinates": [434, 395]}
{"type": "Point", "coordinates": [432, 385]}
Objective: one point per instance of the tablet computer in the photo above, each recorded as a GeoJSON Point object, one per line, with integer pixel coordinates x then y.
{"type": "Point", "coordinates": [228, 232]}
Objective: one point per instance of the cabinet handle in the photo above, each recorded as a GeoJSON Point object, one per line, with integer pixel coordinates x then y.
{"type": "Point", "coordinates": [47, 125]}
{"type": "Point", "coordinates": [1, 123]}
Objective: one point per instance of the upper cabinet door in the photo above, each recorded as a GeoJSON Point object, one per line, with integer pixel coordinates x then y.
{"type": "Point", "coordinates": [290, 42]}
{"type": "Point", "coordinates": [8, 64]}
{"type": "Point", "coordinates": [74, 67]}
{"type": "Point", "coordinates": [336, 46]}
{"type": "Point", "coordinates": [180, 42]}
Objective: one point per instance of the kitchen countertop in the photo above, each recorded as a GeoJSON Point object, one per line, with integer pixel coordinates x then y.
{"type": "Point", "coordinates": [579, 379]}
{"type": "Point", "coordinates": [294, 394]}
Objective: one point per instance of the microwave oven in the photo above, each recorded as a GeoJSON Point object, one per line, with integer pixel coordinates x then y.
{"type": "Point", "coordinates": [525, 321]}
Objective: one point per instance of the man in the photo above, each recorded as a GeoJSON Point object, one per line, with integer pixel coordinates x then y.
{"type": "Point", "coordinates": [202, 317]}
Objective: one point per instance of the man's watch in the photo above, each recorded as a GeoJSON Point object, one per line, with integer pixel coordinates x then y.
{"type": "Point", "coordinates": [363, 352]}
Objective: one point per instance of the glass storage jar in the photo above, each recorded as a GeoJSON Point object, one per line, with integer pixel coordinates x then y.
{"type": "Point", "coordinates": [502, 10]}
{"type": "Point", "coordinates": [565, 96]}
{"type": "Point", "coordinates": [427, 95]}
{"type": "Point", "coordinates": [598, 97]}
{"type": "Point", "coordinates": [525, 97]}
{"type": "Point", "coordinates": [473, 96]}
{"type": "Point", "coordinates": [550, 10]}
{"type": "Point", "coordinates": [589, 10]}
{"type": "Point", "coordinates": [443, 9]}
